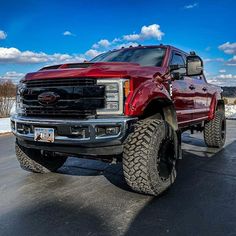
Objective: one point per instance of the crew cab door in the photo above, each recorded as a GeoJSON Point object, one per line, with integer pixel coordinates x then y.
{"type": "Point", "coordinates": [182, 94]}
{"type": "Point", "coordinates": [201, 107]}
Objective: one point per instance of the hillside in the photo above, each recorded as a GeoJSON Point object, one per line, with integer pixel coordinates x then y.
{"type": "Point", "coordinates": [229, 92]}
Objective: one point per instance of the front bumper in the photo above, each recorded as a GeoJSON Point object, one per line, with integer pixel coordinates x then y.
{"type": "Point", "coordinates": [66, 142]}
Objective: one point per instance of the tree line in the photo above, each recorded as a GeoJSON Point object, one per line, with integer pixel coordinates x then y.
{"type": "Point", "coordinates": [7, 97]}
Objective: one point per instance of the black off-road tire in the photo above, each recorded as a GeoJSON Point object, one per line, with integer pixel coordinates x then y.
{"type": "Point", "coordinates": [215, 131]}
{"type": "Point", "coordinates": [32, 160]}
{"type": "Point", "coordinates": [149, 157]}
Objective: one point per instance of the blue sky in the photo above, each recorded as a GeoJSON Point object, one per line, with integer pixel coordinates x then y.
{"type": "Point", "coordinates": [38, 33]}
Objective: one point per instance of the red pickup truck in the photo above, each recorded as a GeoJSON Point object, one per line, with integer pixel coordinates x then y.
{"type": "Point", "coordinates": [128, 105]}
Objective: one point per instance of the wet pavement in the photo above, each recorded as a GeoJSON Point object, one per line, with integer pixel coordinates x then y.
{"type": "Point", "coordinates": [89, 197]}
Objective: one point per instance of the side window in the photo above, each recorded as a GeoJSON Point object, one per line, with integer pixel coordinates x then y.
{"type": "Point", "coordinates": [178, 59]}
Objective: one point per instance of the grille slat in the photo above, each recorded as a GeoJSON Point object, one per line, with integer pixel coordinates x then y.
{"type": "Point", "coordinates": [60, 82]}
{"type": "Point", "coordinates": [60, 112]}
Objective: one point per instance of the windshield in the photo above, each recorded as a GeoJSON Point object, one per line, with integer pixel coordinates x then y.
{"type": "Point", "coordinates": [152, 56]}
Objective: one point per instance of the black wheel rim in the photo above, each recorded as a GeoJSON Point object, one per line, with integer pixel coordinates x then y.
{"type": "Point", "coordinates": [166, 159]}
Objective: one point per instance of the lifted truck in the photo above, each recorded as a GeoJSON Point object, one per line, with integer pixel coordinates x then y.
{"type": "Point", "coordinates": [129, 105]}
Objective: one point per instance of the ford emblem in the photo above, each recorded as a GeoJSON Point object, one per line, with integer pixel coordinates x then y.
{"type": "Point", "coordinates": [48, 98]}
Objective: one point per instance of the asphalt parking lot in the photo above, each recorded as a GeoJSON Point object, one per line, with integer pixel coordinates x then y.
{"type": "Point", "coordinates": [91, 198]}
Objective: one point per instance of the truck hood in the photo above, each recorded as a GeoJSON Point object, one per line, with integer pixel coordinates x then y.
{"type": "Point", "coordinates": [96, 70]}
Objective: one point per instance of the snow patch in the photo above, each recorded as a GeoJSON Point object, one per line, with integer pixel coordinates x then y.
{"type": "Point", "coordinates": [5, 125]}
{"type": "Point", "coordinates": [230, 111]}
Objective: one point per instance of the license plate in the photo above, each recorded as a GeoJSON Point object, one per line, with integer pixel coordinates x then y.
{"type": "Point", "coordinates": [44, 135]}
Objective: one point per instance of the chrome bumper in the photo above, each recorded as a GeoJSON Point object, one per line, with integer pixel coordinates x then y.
{"type": "Point", "coordinates": [92, 141]}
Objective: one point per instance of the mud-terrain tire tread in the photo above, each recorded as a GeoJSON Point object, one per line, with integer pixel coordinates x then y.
{"type": "Point", "coordinates": [212, 131]}
{"type": "Point", "coordinates": [31, 160]}
{"type": "Point", "coordinates": [140, 151]}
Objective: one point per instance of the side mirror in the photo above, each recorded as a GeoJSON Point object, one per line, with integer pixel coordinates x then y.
{"type": "Point", "coordinates": [175, 76]}
{"type": "Point", "coordinates": [194, 65]}
{"type": "Point", "coordinates": [174, 67]}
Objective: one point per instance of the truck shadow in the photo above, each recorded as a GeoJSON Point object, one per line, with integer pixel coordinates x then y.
{"type": "Point", "coordinates": [201, 202]}
{"type": "Point", "coordinates": [193, 157]}
{"type": "Point", "coordinates": [196, 141]}
{"type": "Point", "coordinates": [84, 167]}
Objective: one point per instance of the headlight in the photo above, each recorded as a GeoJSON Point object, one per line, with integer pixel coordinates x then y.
{"type": "Point", "coordinates": [19, 101]}
{"type": "Point", "coordinates": [115, 94]}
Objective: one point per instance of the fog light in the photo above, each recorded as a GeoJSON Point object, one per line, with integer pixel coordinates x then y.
{"type": "Point", "coordinates": [100, 131]}
{"type": "Point", "coordinates": [81, 132]}
{"type": "Point", "coordinates": [23, 128]}
{"type": "Point", "coordinates": [112, 130]}
{"type": "Point", "coordinates": [107, 130]}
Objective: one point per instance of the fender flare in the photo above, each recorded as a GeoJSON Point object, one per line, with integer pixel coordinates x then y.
{"type": "Point", "coordinates": [144, 96]}
{"type": "Point", "coordinates": [214, 105]}
{"type": "Point", "coordinates": [139, 100]}
{"type": "Point", "coordinates": [212, 110]}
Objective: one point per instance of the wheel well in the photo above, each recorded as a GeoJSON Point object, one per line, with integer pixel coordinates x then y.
{"type": "Point", "coordinates": [153, 108]}
{"type": "Point", "coordinates": [220, 105]}
{"type": "Point", "coordinates": [162, 107]}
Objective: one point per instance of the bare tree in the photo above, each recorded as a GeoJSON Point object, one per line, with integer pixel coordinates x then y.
{"type": "Point", "coordinates": [7, 97]}
{"type": "Point", "coordinates": [226, 101]}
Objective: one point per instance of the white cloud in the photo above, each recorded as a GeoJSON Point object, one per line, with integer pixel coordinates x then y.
{"type": "Point", "coordinates": [228, 48]}
{"type": "Point", "coordinates": [225, 76]}
{"type": "Point", "coordinates": [3, 34]}
{"type": "Point", "coordinates": [96, 48]}
{"type": "Point", "coordinates": [190, 6]}
{"type": "Point", "coordinates": [14, 55]}
{"type": "Point", "coordinates": [223, 80]}
{"type": "Point", "coordinates": [116, 40]}
{"type": "Point", "coordinates": [206, 73]}
{"type": "Point", "coordinates": [213, 60]}
{"type": "Point", "coordinates": [222, 71]}
{"type": "Point", "coordinates": [102, 43]}
{"type": "Point", "coordinates": [232, 61]}
{"type": "Point", "coordinates": [92, 53]}
{"type": "Point", "coordinates": [11, 75]}
{"type": "Point", "coordinates": [126, 45]}
{"type": "Point", "coordinates": [147, 32]}
{"type": "Point", "coordinates": [131, 37]}
{"type": "Point", "coordinates": [218, 82]}
{"type": "Point", "coordinates": [68, 33]}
